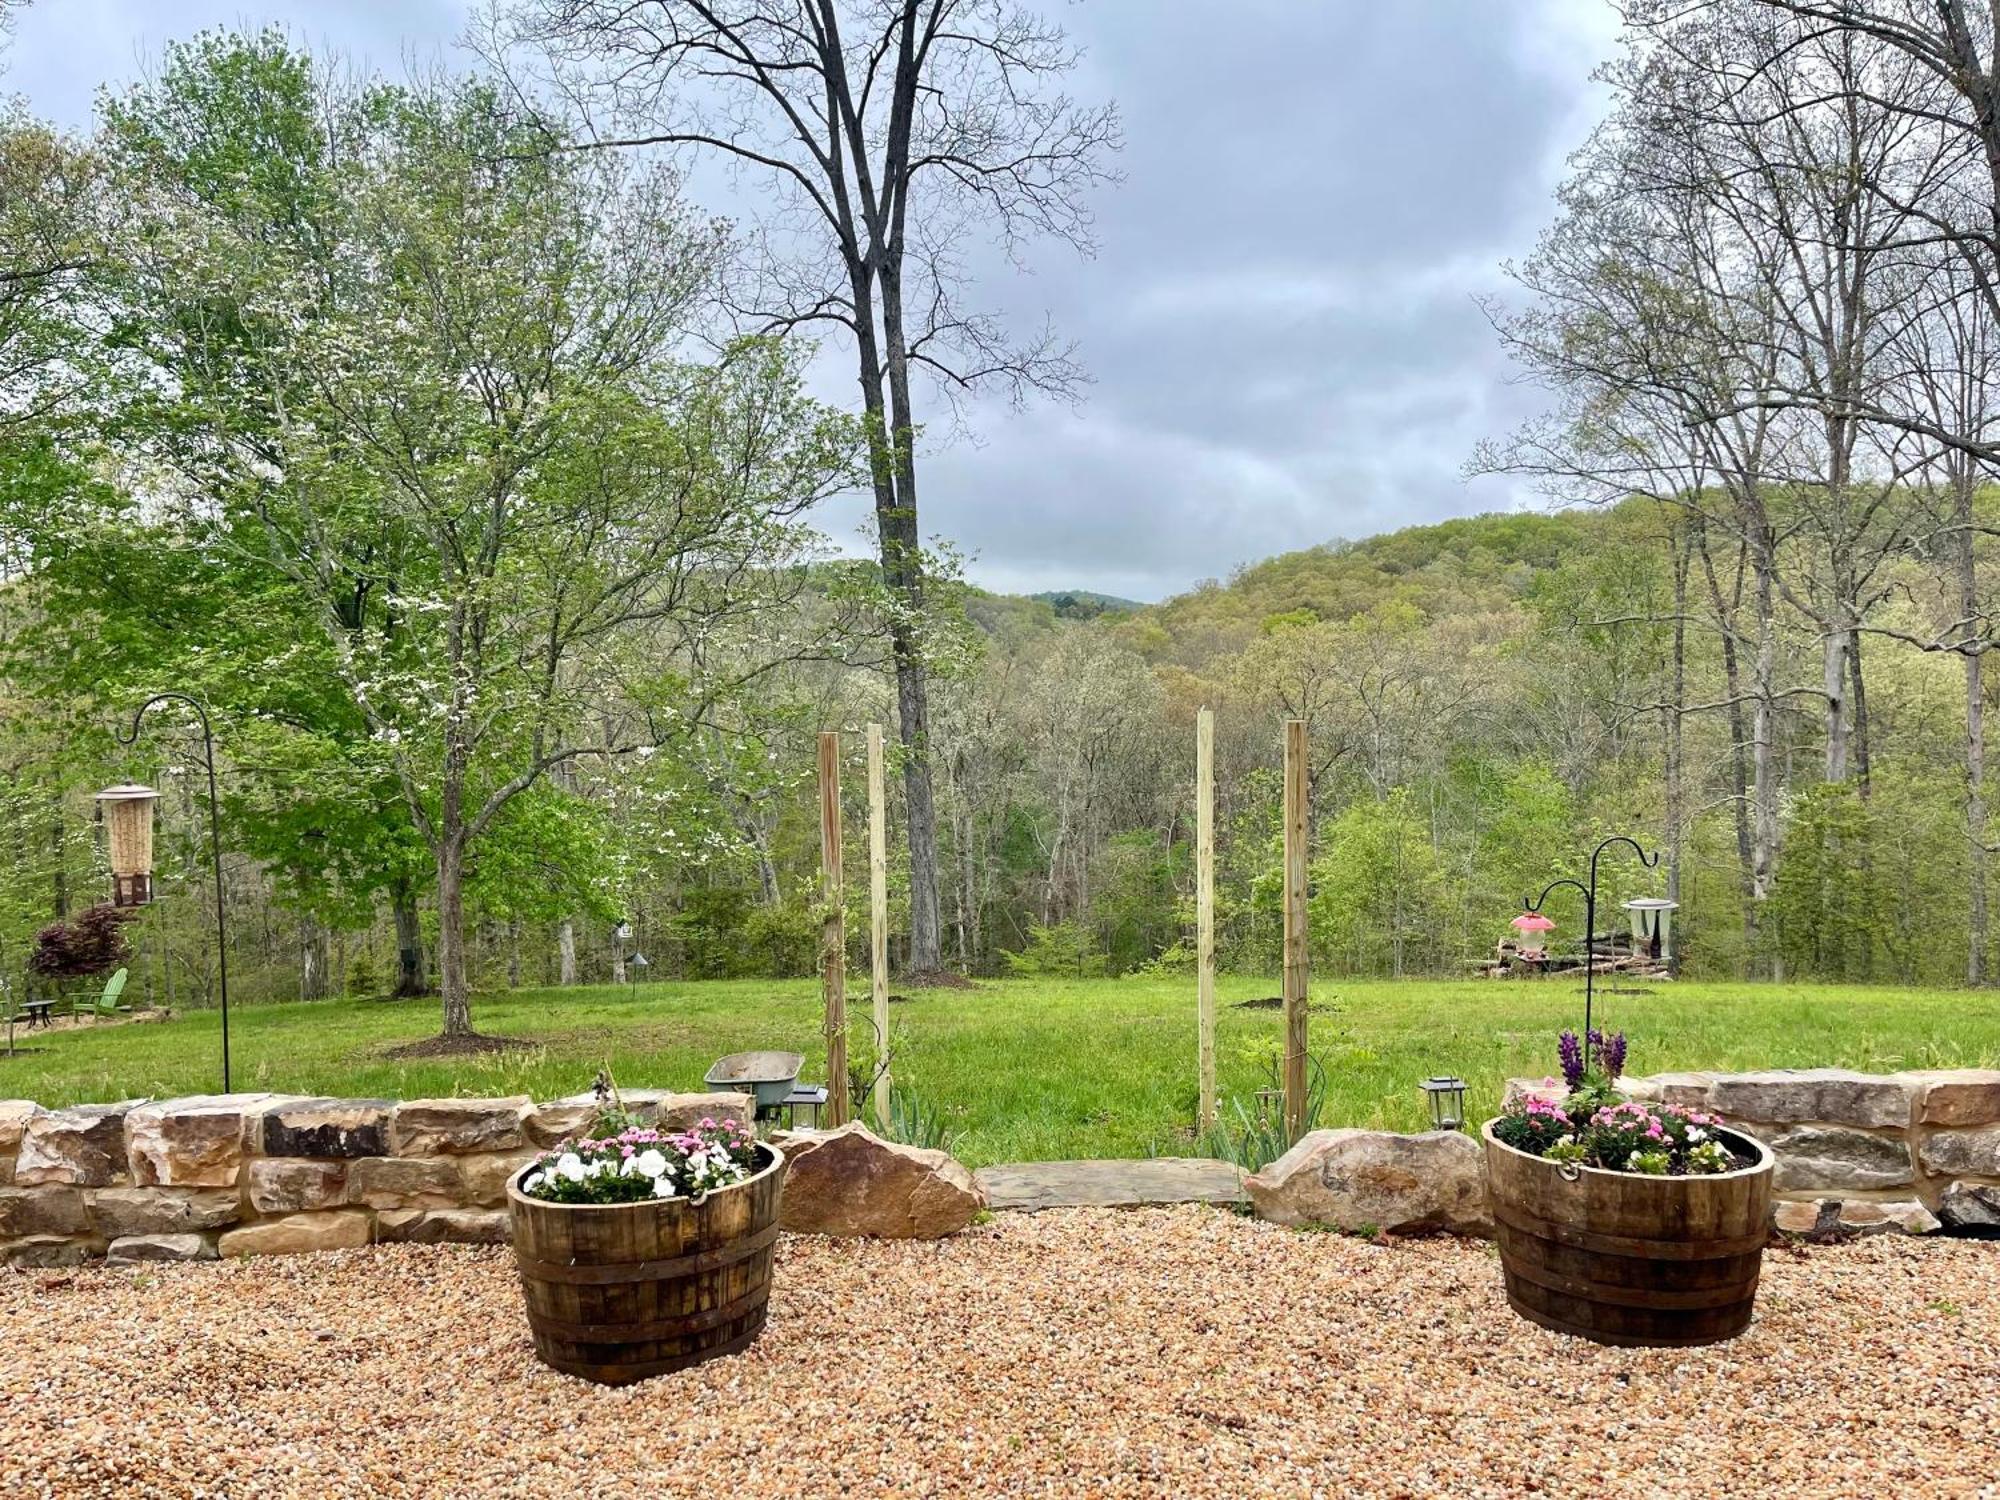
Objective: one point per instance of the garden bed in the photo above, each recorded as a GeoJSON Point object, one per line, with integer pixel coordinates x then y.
{"type": "Point", "coordinates": [1183, 1351]}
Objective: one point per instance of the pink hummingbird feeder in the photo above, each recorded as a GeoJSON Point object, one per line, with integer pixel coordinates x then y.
{"type": "Point", "coordinates": [1533, 929]}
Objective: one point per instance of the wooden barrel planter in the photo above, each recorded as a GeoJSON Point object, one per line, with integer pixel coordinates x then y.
{"type": "Point", "coordinates": [1621, 1258]}
{"type": "Point", "coordinates": [618, 1292]}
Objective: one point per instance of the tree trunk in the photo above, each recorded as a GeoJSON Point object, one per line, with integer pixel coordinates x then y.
{"type": "Point", "coordinates": [1672, 727]}
{"type": "Point", "coordinates": [312, 960]}
{"type": "Point", "coordinates": [412, 973]}
{"type": "Point", "coordinates": [566, 952]}
{"type": "Point", "coordinates": [617, 959]}
{"type": "Point", "coordinates": [452, 982]}
{"type": "Point", "coordinates": [1764, 781]}
{"type": "Point", "coordinates": [1964, 483]}
{"type": "Point", "coordinates": [514, 954]}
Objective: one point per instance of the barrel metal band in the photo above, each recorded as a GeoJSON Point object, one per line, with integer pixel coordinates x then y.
{"type": "Point", "coordinates": [648, 1270]}
{"type": "Point", "coordinates": [657, 1328]}
{"type": "Point", "coordinates": [1700, 1300]}
{"type": "Point", "coordinates": [1632, 1245]}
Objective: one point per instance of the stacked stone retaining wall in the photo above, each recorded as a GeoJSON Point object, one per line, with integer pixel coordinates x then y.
{"type": "Point", "coordinates": [245, 1174]}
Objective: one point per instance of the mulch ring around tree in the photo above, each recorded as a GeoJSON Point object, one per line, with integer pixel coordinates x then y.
{"type": "Point", "coordinates": [472, 1044]}
{"type": "Point", "coordinates": [934, 979]}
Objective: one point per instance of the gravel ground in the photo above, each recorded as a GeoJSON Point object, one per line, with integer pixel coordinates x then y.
{"type": "Point", "coordinates": [1080, 1352]}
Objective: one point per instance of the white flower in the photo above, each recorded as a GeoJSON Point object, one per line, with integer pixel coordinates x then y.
{"type": "Point", "coordinates": [570, 1165]}
{"type": "Point", "coordinates": [650, 1163]}
{"type": "Point", "coordinates": [532, 1181]}
{"type": "Point", "coordinates": [663, 1187]}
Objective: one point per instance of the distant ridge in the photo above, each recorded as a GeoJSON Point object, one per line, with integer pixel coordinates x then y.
{"type": "Point", "coordinates": [1083, 604]}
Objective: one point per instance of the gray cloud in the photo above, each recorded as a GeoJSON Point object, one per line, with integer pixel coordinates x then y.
{"type": "Point", "coordinates": [1280, 321]}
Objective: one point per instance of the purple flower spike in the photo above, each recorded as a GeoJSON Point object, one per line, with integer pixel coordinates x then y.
{"type": "Point", "coordinates": [1570, 1050]}
{"type": "Point", "coordinates": [1614, 1053]}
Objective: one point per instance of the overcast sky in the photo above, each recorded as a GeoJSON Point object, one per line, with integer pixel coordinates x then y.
{"type": "Point", "coordinates": [1280, 322]}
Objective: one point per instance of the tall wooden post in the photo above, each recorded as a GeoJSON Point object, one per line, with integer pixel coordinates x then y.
{"type": "Point", "coordinates": [1295, 928]}
{"type": "Point", "coordinates": [833, 931]}
{"type": "Point", "coordinates": [878, 920]}
{"type": "Point", "coordinates": [1204, 899]}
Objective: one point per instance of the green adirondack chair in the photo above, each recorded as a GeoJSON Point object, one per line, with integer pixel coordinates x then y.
{"type": "Point", "coordinates": [107, 1003]}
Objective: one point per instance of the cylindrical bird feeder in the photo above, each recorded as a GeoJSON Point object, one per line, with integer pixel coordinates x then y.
{"type": "Point", "coordinates": [128, 825]}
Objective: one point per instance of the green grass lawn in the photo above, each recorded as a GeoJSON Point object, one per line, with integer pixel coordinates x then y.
{"type": "Point", "coordinates": [1024, 1070]}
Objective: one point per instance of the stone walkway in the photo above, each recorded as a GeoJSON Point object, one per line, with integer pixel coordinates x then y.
{"type": "Point", "coordinates": [1034, 1185]}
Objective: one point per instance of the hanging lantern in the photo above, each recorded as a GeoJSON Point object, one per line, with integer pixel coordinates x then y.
{"type": "Point", "coordinates": [1652, 918]}
{"type": "Point", "coordinates": [128, 825]}
{"type": "Point", "coordinates": [1533, 930]}
{"type": "Point", "coordinates": [1446, 1096]}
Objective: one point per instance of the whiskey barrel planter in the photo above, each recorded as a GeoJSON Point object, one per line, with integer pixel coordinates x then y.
{"type": "Point", "coordinates": [1622, 1258]}
{"type": "Point", "coordinates": [617, 1292]}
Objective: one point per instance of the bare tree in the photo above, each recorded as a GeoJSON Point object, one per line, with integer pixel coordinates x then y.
{"type": "Point", "coordinates": [887, 133]}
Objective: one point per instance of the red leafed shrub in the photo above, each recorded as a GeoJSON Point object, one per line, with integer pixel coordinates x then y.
{"type": "Point", "coordinates": [92, 944]}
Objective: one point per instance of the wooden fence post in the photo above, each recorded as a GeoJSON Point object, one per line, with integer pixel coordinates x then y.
{"type": "Point", "coordinates": [878, 920]}
{"type": "Point", "coordinates": [1295, 928]}
{"type": "Point", "coordinates": [1204, 885]}
{"type": "Point", "coordinates": [833, 931]}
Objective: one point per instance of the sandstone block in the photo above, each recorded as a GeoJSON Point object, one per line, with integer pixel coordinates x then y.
{"type": "Point", "coordinates": [133, 1249]}
{"type": "Point", "coordinates": [343, 1229]}
{"type": "Point", "coordinates": [45, 1250]}
{"type": "Point", "coordinates": [485, 1176]}
{"type": "Point", "coordinates": [448, 1226]}
{"type": "Point", "coordinates": [1960, 1096]}
{"type": "Point", "coordinates": [119, 1212]}
{"type": "Point", "coordinates": [83, 1146]}
{"type": "Point", "coordinates": [1352, 1179]}
{"type": "Point", "coordinates": [28, 1211]}
{"type": "Point", "coordinates": [1962, 1153]}
{"type": "Point", "coordinates": [852, 1182]}
{"type": "Point", "coordinates": [405, 1182]}
{"type": "Point", "coordinates": [14, 1117]}
{"type": "Point", "coordinates": [289, 1185]}
{"type": "Point", "coordinates": [426, 1127]}
{"type": "Point", "coordinates": [327, 1128]}
{"type": "Point", "coordinates": [1820, 1159]}
{"type": "Point", "coordinates": [194, 1142]}
{"type": "Point", "coordinates": [1833, 1096]}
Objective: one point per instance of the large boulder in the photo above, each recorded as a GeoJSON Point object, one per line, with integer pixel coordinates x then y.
{"type": "Point", "coordinates": [1373, 1179]}
{"type": "Point", "coordinates": [1796, 1096]}
{"type": "Point", "coordinates": [484, 1177]}
{"type": "Point", "coordinates": [297, 1233]}
{"type": "Point", "coordinates": [1815, 1159]}
{"type": "Point", "coordinates": [199, 1141]}
{"type": "Point", "coordinates": [83, 1146]}
{"type": "Point", "coordinates": [337, 1128]}
{"type": "Point", "coordinates": [851, 1182]}
{"type": "Point", "coordinates": [426, 1127]}
{"type": "Point", "coordinates": [120, 1212]}
{"type": "Point", "coordinates": [1963, 1153]}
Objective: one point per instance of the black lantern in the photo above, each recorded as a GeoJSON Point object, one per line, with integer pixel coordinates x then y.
{"type": "Point", "coordinates": [1446, 1097]}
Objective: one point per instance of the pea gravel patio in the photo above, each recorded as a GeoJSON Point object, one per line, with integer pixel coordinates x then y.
{"type": "Point", "coordinates": [1181, 1351]}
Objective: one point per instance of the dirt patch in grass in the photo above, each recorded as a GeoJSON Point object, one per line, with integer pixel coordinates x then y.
{"type": "Point", "coordinates": [477, 1044]}
{"type": "Point", "coordinates": [936, 979]}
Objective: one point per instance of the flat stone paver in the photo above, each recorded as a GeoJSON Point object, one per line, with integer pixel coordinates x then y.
{"type": "Point", "coordinates": [1032, 1185]}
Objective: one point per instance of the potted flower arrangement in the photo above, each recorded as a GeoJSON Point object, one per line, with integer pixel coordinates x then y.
{"type": "Point", "coordinates": [1623, 1221]}
{"type": "Point", "coordinates": [643, 1250]}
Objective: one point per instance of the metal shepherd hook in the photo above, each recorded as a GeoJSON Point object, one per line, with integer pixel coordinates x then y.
{"type": "Point", "coordinates": [131, 737]}
{"type": "Point", "coordinates": [1648, 861]}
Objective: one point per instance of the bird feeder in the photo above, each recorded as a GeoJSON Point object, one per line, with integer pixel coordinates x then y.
{"type": "Point", "coordinates": [1533, 930]}
{"type": "Point", "coordinates": [127, 811]}
{"type": "Point", "coordinates": [1652, 919]}
{"type": "Point", "coordinates": [1446, 1096]}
